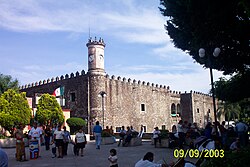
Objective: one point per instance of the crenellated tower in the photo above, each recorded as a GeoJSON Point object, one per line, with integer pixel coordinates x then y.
{"type": "Point", "coordinates": [96, 56]}
{"type": "Point", "coordinates": [96, 75]}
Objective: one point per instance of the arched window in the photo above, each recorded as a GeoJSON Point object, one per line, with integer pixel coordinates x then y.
{"type": "Point", "coordinates": [179, 110]}
{"type": "Point", "coordinates": [173, 110]}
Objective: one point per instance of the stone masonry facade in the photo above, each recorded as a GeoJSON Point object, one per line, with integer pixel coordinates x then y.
{"type": "Point", "coordinates": [127, 102]}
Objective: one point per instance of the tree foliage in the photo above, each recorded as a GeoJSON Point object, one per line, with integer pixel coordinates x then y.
{"type": "Point", "coordinates": [48, 110]}
{"type": "Point", "coordinates": [230, 110]}
{"type": "Point", "coordinates": [14, 109]}
{"type": "Point", "coordinates": [195, 24]}
{"type": "Point", "coordinates": [6, 82]}
{"type": "Point", "coordinates": [234, 89]}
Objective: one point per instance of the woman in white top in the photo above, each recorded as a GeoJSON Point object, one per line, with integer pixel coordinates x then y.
{"type": "Point", "coordinates": [156, 135]}
{"type": "Point", "coordinates": [58, 138]}
{"type": "Point", "coordinates": [80, 140]}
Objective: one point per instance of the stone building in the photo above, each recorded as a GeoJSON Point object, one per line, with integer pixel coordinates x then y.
{"type": "Point", "coordinates": [116, 101]}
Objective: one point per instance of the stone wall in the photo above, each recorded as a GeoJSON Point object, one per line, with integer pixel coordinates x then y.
{"type": "Point", "coordinates": [124, 100]}
{"type": "Point", "coordinates": [73, 83]}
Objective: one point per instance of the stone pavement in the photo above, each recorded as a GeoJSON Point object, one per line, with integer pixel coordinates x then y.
{"type": "Point", "coordinates": [127, 156]}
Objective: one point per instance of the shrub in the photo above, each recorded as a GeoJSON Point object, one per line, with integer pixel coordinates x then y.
{"type": "Point", "coordinates": [3, 137]}
{"type": "Point", "coordinates": [105, 134]}
{"type": "Point", "coordinates": [164, 134]}
{"type": "Point", "coordinates": [75, 124]}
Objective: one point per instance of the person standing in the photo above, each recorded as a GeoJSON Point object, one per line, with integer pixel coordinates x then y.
{"type": "Point", "coordinates": [97, 132]}
{"type": "Point", "coordinates": [58, 138]}
{"type": "Point", "coordinates": [223, 132]}
{"type": "Point", "coordinates": [141, 132]}
{"type": "Point", "coordinates": [53, 144]}
{"type": "Point", "coordinates": [181, 133]}
{"type": "Point", "coordinates": [20, 146]}
{"type": "Point", "coordinates": [208, 130]}
{"type": "Point", "coordinates": [3, 158]}
{"type": "Point", "coordinates": [36, 133]}
{"type": "Point", "coordinates": [67, 139]}
{"type": "Point", "coordinates": [241, 130]}
{"type": "Point", "coordinates": [80, 141]}
{"type": "Point", "coordinates": [47, 135]}
{"type": "Point", "coordinates": [156, 135]}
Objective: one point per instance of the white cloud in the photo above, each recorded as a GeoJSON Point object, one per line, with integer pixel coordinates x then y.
{"type": "Point", "coordinates": [142, 24]}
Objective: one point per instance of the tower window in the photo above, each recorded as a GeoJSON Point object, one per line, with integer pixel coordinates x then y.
{"type": "Point", "coordinates": [73, 97]}
{"type": "Point", "coordinates": [143, 107]}
{"type": "Point", "coordinates": [173, 110]}
{"type": "Point", "coordinates": [209, 111]}
{"type": "Point", "coordinates": [198, 111]}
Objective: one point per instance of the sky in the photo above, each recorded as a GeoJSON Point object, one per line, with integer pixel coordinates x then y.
{"type": "Point", "coordinates": [41, 39]}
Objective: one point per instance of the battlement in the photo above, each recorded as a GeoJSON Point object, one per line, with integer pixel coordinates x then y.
{"type": "Point", "coordinates": [62, 77]}
{"type": "Point", "coordinates": [197, 93]}
{"type": "Point", "coordinates": [95, 42]}
{"type": "Point", "coordinates": [154, 87]}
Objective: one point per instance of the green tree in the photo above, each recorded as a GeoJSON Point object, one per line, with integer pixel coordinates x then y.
{"type": "Point", "coordinates": [6, 82]}
{"type": "Point", "coordinates": [195, 24]}
{"type": "Point", "coordinates": [234, 89]}
{"type": "Point", "coordinates": [48, 110]}
{"type": "Point", "coordinates": [14, 109]}
{"type": "Point", "coordinates": [230, 110]}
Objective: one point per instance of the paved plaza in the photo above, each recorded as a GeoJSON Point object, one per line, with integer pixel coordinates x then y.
{"type": "Point", "coordinates": [127, 156]}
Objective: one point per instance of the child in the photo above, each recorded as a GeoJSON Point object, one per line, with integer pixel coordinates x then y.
{"type": "Point", "coordinates": [53, 150]}
{"type": "Point", "coordinates": [113, 158]}
{"type": "Point", "coordinates": [75, 149]}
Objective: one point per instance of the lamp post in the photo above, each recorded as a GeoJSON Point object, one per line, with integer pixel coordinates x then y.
{"type": "Point", "coordinates": [215, 54]}
{"type": "Point", "coordinates": [102, 94]}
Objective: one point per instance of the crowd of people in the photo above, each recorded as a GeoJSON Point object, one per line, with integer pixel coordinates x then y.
{"type": "Point", "coordinates": [127, 135]}
{"type": "Point", "coordinates": [59, 138]}
{"type": "Point", "coordinates": [215, 131]}
{"type": "Point", "coordinates": [56, 138]}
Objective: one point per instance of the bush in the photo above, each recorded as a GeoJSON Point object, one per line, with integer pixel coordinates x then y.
{"type": "Point", "coordinates": [75, 124]}
{"type": "Point", "coordinates": [3, 137]}
{"type": "Point", "coordinates": [164, 134]}
{"type": "Point", "coordinates": [105, 134]}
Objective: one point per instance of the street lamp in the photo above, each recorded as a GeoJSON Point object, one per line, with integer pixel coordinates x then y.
{"type": "Point", "coordinates": [215, 54]}
{"type": "Point", "coordinates": [102, 94]}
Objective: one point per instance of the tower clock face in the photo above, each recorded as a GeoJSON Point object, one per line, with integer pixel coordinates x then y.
{"type": "Point", "coordinates": [91, 58]}
{"type": "Point", "coordinates": [101, 56]}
